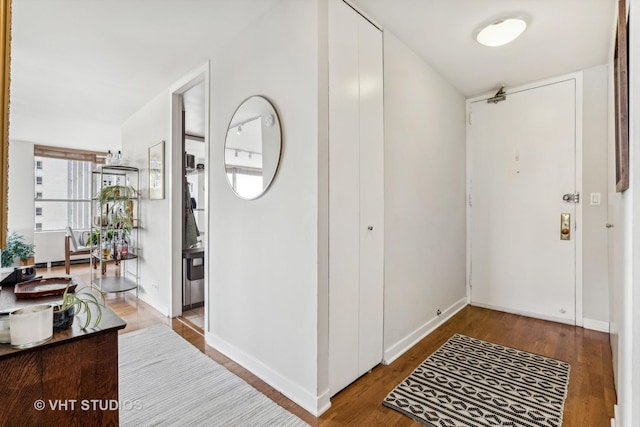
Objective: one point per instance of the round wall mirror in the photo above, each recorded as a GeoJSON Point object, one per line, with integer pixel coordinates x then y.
{"type": "Point", "coordinates": [252, 147]}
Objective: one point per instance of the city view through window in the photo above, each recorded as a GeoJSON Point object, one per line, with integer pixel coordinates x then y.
{"type": "Point", "coordinates": [62, 194]}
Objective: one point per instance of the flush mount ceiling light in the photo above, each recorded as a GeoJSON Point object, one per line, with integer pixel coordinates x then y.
{"type": "Point", "coordinates": [501, 32]}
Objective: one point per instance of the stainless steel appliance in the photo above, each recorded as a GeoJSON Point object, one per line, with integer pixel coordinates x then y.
{"type": "Point", "coordinates": [192, 278]}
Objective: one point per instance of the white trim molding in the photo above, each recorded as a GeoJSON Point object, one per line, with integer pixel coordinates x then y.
{"type": "Point", "coordinates": [616, 418]}
{"type": "Point", "coordinates": [316, 405]}
{"type": "Point", "coordinates": [173, 154]}
{"type": "Point", "coordinates": [579, 229]}
{"type": "Point", "coordinates": [525, 313]}
{"type": "Point", "coordinates": [595, 325]}
{"type": "Point", "coordinates": [399, 348]}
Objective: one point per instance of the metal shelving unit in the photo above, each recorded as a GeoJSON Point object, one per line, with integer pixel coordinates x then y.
{"type": "Point", "coordinates": [115, 221]}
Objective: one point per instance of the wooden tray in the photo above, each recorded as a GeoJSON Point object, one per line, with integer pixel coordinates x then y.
{"type": "Point", "coordinates": [44, 287]}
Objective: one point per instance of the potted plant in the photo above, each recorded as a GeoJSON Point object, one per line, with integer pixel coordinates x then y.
{"type": "Point", "coordinates": [113, 193]}
{"type": "Point", "coordinates": [7, 258]}
{"type": "Point", "coordinates": [94, 237]}
{"type": "Point", "coordinates": [76, 302]}
{"type": "Point", "coordinates": [17, 248]}
{"type": "Point", "coordinates": [116, 207]}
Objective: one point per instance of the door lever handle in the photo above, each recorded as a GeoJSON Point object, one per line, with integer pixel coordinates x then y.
{"type": "Point", "coordinates": [609, 225]}
{"type": "Point", "coordinates": [571, 197]}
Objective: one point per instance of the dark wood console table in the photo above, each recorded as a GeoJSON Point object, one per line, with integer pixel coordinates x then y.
{"type": "Point", "coordinates": [70, 380]}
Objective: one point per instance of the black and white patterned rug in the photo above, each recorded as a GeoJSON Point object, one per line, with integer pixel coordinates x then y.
{"type": "Point", "coordinates": [469, 382]}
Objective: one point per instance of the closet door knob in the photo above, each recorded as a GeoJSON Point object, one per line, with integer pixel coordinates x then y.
{"type": "Point", "coordinates": [370, 227]}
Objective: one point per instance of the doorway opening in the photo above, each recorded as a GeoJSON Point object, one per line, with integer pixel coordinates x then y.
{"type": "Point", "coordinates": [189, 175]}
{"type": "Point", "coordinates": [194, 163]}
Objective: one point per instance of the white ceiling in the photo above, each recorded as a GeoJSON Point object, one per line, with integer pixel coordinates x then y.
{"type": "Point", "coordinates": [562, 36]}
{"type": "Point", "coordinates": [93, 61]}
{"type": "Point", "coordinates": [100, 61]}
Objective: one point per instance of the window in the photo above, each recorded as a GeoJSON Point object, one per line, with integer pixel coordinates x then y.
{"type": "Point", "coordinates": [66, 191]}
{"type": "Point", "coordinates": [251, 182]}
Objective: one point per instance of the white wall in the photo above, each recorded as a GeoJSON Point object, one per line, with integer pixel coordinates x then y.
{"type": "Point", "coordinates": [634, 185]}
{"type": "Point", "coordinates": [264, 253]}
{"type": "Point", "coordinates": [625, 208]}
{"type": "Point", "coordinates": [21, 212]}
{"type": "Point", "coordinates": [616, 244]}
{"type": "Point", "coordinates": [145, 128]}
{"type": "Point", "coordinates": [425, 222]}
{"type": "Point", "coordinates": [624, 246]}
{"type": "Point", "coordinates": [595, 290]}
{"type": "Point", "coordinates": [263, 259]}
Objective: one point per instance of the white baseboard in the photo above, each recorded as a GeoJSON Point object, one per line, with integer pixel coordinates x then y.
{"type": "Point", "coordinates": [616, 418]}
{"type": "Point", "coordinates": [398, 349]}
{"type": "Point", "coordinates": [528, 314]}
{"type": "Point", "coordinates": [315, 405]}
{"type": "Point", "coordinates": [596, 325]}
{"type": "Point", "coordinates": [142, 295]}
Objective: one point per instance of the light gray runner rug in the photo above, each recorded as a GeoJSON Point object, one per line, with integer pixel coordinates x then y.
{"type": "Point", "coordinates": [164, 380]}
{"type": "Point", "coordinates": [469, 382]}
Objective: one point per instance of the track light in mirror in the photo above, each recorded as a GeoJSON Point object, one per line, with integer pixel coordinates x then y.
{"type": "Point", "coordinates": [239, 131]}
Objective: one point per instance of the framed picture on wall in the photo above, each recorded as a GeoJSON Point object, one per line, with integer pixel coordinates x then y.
{"type": "Point", "coordinates": [621, 89]}
{"type": "Point", "coordinates": [156, 171]}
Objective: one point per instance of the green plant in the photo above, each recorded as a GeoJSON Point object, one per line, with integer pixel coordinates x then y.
{"type": "Point", "coordinates": [82, 299]}
{"type": "Point", "coordinates": [115, 203]}
{"type": "Point", "coordinates": [113, 193]}
{"type": "Point", "coordinates": [16, 247]}
{"type": "Point", "coordinates": [94, 237]}
{"type": "Point", "coordinates": [7, 258]}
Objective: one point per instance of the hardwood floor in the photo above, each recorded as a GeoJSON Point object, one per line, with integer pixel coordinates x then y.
{"type": "Point", "coordinates": [591, 391]}
{"type": "Point", "coordinates": [195, 316]}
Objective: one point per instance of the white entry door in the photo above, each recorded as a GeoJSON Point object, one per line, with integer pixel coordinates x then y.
{"type": "Point", "coordinates": [522, 162]}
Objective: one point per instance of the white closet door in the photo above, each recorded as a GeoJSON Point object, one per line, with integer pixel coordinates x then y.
{"type": "Point", "coordinates": [355, 196]}
{"type": "Point", "coordinates": [344, 190]}
{"type": "Point", "coordinates": [371, 196]}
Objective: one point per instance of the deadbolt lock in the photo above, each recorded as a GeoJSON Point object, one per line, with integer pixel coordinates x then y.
{"type": "Point", "coordinates": [565, 226]}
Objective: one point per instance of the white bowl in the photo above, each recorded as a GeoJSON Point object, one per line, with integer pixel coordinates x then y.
{"type": "Point", "coordinates": [30, 326]}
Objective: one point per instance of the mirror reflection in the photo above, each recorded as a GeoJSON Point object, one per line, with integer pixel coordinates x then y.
{"type": "Point", "coordinates": [252, 147]}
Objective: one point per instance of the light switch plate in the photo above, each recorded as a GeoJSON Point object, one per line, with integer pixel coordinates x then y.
{"type": "Point", "coordinates": [595, 199]}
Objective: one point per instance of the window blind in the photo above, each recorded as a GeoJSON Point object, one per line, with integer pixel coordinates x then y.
{"type": "Point", "coordinates": [69, 154]}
